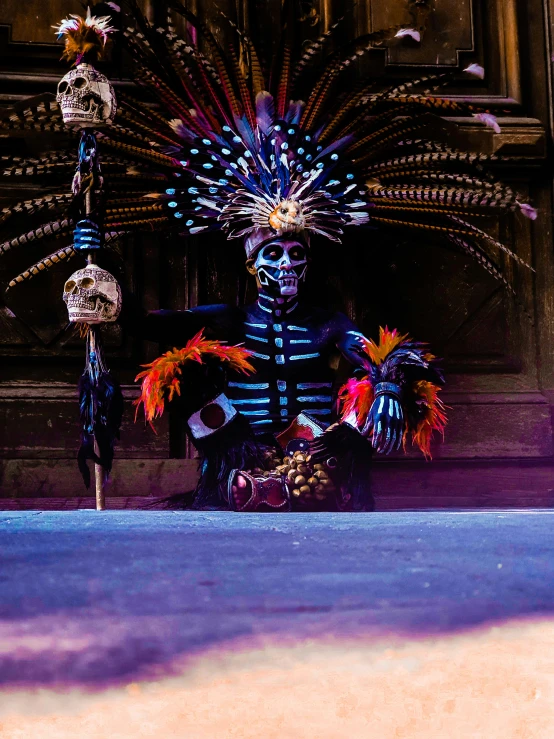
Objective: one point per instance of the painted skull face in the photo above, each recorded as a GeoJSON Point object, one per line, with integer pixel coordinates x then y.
{"type": "Point", "coordinates": [86, 98]}
{"type": "Point", "coordinates": [92, 295]}
{"type": "Point", "coordinates": [280, 266]}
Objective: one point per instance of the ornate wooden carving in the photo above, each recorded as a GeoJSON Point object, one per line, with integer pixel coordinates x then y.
{"type": "Point", "coordinates": [447, 31]}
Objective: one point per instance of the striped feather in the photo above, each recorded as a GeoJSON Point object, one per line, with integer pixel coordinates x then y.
{"type": "Point", "coordinates": [47, 230]}
{"type": "Point", "coordinates": [62, 255]}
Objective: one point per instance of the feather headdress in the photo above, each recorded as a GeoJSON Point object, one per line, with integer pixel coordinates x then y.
{"type": "Point", "coordinates": [290, 147]}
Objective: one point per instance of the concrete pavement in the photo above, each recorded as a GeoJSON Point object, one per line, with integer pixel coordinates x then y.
{"type": "Point", "coordinates": [96, 599]}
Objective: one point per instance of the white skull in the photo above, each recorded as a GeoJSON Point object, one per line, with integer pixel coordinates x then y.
{"type": "Point", "coordinates": [280, 266]}
{"type": "Point", "coordinates": [92, 295]}
{"type": "Point", "coordinates": [86, 98]}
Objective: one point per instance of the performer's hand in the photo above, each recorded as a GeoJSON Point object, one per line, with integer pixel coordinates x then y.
{"type": "Point", "coordinates": [87, 235]}
{"type": "Point", "coordinates": [387, 422]}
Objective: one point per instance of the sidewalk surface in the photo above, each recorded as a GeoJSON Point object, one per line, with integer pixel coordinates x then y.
{"type": "Point", "coordinates": [104, 609]}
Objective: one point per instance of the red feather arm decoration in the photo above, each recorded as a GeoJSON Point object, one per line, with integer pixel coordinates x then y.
{"type": "Point", "coordinates": [161, 379]}
{"type": "Point", "coordinates": [396, 358]}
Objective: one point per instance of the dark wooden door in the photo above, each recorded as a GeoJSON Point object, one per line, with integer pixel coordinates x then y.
{"type": "Point", "coordinates": [498, 356]}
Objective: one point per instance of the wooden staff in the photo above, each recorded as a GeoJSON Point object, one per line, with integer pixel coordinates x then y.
{"type": "Point", "coordinates": [94, 340]}
{"type": "Point", "coordinates": [99, 476]}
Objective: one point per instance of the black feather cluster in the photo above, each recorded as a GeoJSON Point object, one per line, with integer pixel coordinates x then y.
{"type": "Point", "coordinates": [345, 448]}
{"type": "Point", "coordinates": [234, 447]}
{"type": "Point", "coordinates": [405, 365]}
{"type": "Point", "coordinates": [101, 411]}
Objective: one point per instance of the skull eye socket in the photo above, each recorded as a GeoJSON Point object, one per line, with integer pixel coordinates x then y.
{"type": "Point", "coordinates": [79, 83]}
{"type": "Point", "coordinates": [297, 253]}
{"type": "Point", "coordinates": [272, 253]}
{"type": "Point", "coordinates": [62, 87]}
{"type": "Point", "coordinates": [69, 285]}
{"type": "Point", "coordinates": [86, 283]}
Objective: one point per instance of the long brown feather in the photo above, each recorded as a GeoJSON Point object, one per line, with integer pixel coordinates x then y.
{"type": "Point", "coordinates": [62, 255]}
{"type": "Point", "coordinates": [30, 207]}
{"type": "Point", "coordinates": [53, 228]}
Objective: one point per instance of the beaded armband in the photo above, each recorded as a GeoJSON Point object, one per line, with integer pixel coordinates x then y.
{"type": "Point", "coordinates": [387, 388]}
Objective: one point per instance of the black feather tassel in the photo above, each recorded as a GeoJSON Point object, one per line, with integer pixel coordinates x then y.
{"type": "Point", "coordinates": [101, 410]}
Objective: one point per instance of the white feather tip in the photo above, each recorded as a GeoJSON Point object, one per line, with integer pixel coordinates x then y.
{"type": "Point", "coordinates": [476, 70]}
{"type": "Point", "coordinates": [489, 120]}
{"type": "Point", "coordinates": [411, 32]}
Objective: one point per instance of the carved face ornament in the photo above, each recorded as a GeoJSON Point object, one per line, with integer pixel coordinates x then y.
{"type": "Point", "coordinates": [280, 266]}
{"type": "Point", "coordinates": [86, 98]}
{"type": "Point", "coordinates": [287, 217]}
{"type": "Point", "coordinates": [92, 295]}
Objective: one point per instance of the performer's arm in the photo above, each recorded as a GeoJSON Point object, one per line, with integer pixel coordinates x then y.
{"type": "Point", "coordinates": [173, 327]}
{"type": "Point", "coordinates": [396, 390]}
{"type": "Point", "coordinates": [385, 420]}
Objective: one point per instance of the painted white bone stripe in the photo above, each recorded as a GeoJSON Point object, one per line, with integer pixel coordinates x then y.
{"type": "Point", "coordinates": [260, 356]}
{"type": "Point", "coordinates": [257, 338]}
{"type": "Point", "coordinates": [304, 356]}
{"type": "Point", "coordinates": [318, 411]}
{"type": "Point", "coordinates": [255, 413]}
{"type": "Point", "coordinates": [300, 341]}
{"type": "Point", "coordinates": [312, 385]}
{"type": "Point", "coordinates": [251, 401]}
{"type": "Point", "coordinates": [296, 328]}
{"type": "Point", "coordinates": [256, 325]}
{"type": "Point", "coordinates": [315, 399]}
{"type": "Point", "coordinates": [250, 385]}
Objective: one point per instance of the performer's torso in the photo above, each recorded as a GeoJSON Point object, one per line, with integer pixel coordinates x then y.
{"type": "Point", "coordinates": [293, 348]}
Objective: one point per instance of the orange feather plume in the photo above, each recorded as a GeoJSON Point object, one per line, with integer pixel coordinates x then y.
{"type": "Point", "coordinates": [357, 396]}
{"type": "Point", "coordinates": [388, 341]}
{"type": "Point", "coordinates": [161, 381]}
{"type": "Point", "coordinates": [433, 420]}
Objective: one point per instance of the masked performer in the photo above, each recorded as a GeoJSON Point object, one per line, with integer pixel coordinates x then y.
{"type": "Point", "coordinates": [280, 159]}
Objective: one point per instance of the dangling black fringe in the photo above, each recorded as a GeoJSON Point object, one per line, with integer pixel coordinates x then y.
{"type": "Point", "coordinates": [101, 410]}
{"type": "Point", "coordinates": [235, 448]}
{"type": "Point", "coordinates": [352, 453]}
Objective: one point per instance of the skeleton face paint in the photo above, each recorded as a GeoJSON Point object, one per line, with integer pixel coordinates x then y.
{"type": "Point", "coordinates": [92, 295]}
{"type": "Point", "coordinates": [280, 266]}
{"type": "Point", "coordinates": [86, 98]}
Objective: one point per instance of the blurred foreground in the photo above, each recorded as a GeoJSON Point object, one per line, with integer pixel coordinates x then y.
{"type": "Point", "coordinates": [143, 624]}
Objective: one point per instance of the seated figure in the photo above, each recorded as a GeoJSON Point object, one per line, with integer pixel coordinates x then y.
{"type": "Point", "coordinates": [277, 439]}
{"type": "Point", "coordinates": [274, 154]}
